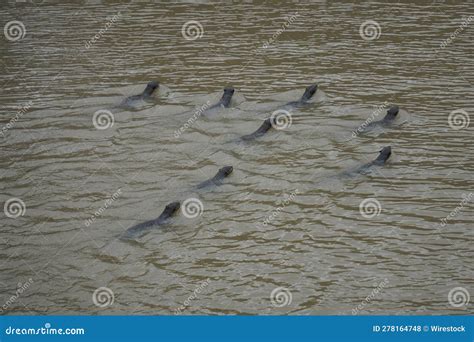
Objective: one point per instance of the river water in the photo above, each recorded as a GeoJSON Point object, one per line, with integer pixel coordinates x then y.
{"type": "Point", "coordinates": [285, 233]}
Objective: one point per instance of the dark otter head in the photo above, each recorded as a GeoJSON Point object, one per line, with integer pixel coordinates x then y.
{"type": "Point", "coordinates": [227, 96]}
{"type": "Point", "coordinates": [171, 208]}
{"type": "Point", "coordinates": [309, 92]}
{"type": "Point", "coordinates": [391, 113]}
{"type": "Point", "coordinates": [384, 155]}
{"type": "Point", "coordinates": [266, 125]}
{"type": "Point", "coordinates": [225, 171]}
{"type": "Point", "coordinates": [229, 90]}
{"type": "Point", "coordinates": [150, 88]}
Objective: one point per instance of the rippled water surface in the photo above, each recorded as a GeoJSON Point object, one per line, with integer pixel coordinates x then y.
{"type": "Point", "coordinates": [286, 232]}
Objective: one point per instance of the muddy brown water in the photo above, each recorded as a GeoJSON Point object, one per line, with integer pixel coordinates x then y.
{"type": "Point", "coordinates": [285, 225]}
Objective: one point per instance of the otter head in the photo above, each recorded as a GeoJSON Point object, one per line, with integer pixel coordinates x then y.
{"type": "Point", "coordinates": [150, 88]}
{"type": "Point", "coordinates": [384, 154]}
{"type": "Point", "coordinates": [225, 171]}
{"type": "Point", "coordinates": [266, 125]}
{"type": "Point", "coordinates": [229, 90]}
{"type": "Point", "coordinates": [227, 96]}
{"type": "Point", "coordinates": [172, 208]}
{"type": "Point", "coordinates": [309, 92]}
{"type": "Point", "coordinates": [391, 113]}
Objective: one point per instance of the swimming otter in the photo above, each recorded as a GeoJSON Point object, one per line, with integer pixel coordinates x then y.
{"type": "Point", "coordinates": [149, 90]}
{"type": "Point", "coordinates": [264, 128]}
{"type": "Point", "coordinates": [217, 179]}
{"type": "Point", "coordinates": [383, 156]}
{"type": "Point", "coordinates": [386, 121]}
{"type": "Point", "coordinates": [224, 102]}
{"type": "Point", "coordinates": [391, 114]}
{"type": "Point", "coordinates": [140, 229]}
{"type": "Point", "coordinates": [308, 94]}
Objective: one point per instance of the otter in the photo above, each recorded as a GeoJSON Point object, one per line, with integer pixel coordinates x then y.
{"type": "Point", "coordinates": [146, 94]}
{"type": "Point", "coordinates": [381, 159]}
{"type": "Point", "coordinates": [386, 121]}
{"type": "Point", "coordinates": [308, 94]}
{"type": "Point", "coordinates": [391, 115]}
{"type": "Point", "coordinates": [140, 229]}
{"type": "Point", "coordinates": [224, 102]}
{"type": "Point", "coordinates": [383, 156]}
{"type": "Point", "coordinates": [264, 128]}
{"type": "Point", "coordinates": [217, 179]}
